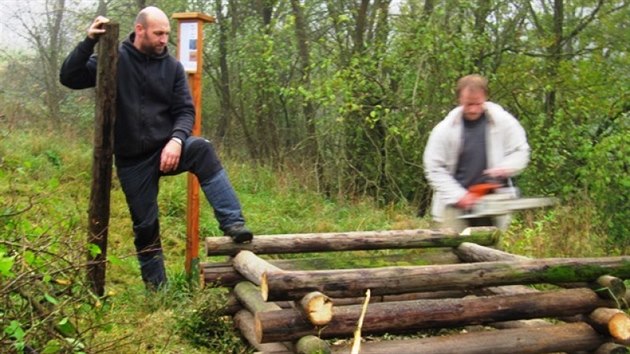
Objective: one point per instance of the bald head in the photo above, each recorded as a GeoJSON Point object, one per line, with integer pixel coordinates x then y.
{"type": "Point", "coordinates": [150, 13]}
{"type": "Point", "coordinates": [152, 30]}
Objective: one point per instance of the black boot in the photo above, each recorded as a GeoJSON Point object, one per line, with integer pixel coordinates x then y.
{"type": "Point", "coordinates": [153, 271]}
{"type": "Point", "coordinates": [239, 233]}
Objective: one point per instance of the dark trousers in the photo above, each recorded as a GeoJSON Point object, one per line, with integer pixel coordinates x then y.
{"type": "Point", "coordinates": [139, 179]}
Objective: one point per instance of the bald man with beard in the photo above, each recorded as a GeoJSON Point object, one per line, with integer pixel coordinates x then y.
{"type": "Point", "coordinates": [152, 133]}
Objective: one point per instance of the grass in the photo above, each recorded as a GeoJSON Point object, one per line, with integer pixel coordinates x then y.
{"type": "Point", "coordinates": [46, 177]}
{"type": "Point", "coordinates": [44, 193]}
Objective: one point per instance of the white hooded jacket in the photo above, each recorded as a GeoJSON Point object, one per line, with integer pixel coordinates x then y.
{"type": "Point", "coordinates": [506, 147]}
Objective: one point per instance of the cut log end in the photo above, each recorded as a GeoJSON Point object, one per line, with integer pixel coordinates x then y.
{"type": "Point", "coordinates": [619, 327]}
{"type": "Point", "coordinates": [317, 307]}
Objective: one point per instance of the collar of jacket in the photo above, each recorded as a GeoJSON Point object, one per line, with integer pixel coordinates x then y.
{"type": "Point", "coordinates": [128, 44]}
{"type": "Point", "coordinates": [457, 114]}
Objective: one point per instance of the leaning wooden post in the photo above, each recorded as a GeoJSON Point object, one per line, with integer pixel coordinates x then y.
{"type": "Point", "coordinates": [105, 116]}
{"type": "Point", "coordinates": [190, 54]}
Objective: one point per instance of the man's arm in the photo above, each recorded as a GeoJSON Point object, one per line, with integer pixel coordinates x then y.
{"type": "Point", "coordinates": [79, 68]}
{"type": "Point", "coordinates": [436, 169]}
{"type": "Point", "coordinates": [182, 109]}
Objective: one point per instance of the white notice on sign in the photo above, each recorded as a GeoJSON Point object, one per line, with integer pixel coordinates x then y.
{"type": "Point", "coordinates": [188, 45]}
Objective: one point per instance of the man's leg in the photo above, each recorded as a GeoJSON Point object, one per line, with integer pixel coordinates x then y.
{"type": "Point", "coordinates": [200, 158]}
{"type": "Point", "coordinates": [140, 185]}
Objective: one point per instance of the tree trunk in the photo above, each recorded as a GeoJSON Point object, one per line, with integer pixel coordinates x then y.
{"type": "Point", "coordinates": [98, 214]}
{"type": "Point", "coordinates": [560, 338]}
{"type": "Point", "coordinates": [348, 241]}
{"type": "Point", "coordinates": [406, 316]}
{"type": "Point", "coordinates": [397, 280]}
{"type": "Point", "coordinates": [224, 76]}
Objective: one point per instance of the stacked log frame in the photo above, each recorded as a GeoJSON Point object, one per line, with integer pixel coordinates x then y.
{"type": "Point", "coordinates": [292, 306]}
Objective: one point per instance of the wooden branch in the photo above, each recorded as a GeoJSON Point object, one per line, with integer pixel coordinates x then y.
{"type": "Point", "coordinates": [317, 307]}
{"type": "Point", "coordinates": [349, 241]}
{"type": "Point", "coordinates": [559, 338]}
{"type": "Point", "coordinates": [283, 285]}
{"type": "Point", "coordinates": [244, 321]}
{"type": "Point", "coordinates": [405, 316]}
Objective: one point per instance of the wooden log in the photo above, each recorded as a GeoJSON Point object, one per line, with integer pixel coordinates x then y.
{"type": "Point", "coordinates": [312, 345]}
{"type": "Point", "coordinates": [244, 321]}
{"type": "Point", "coordinates": [349, 241]}
{"type": "Point", "coordinates": [613, 322]}
{"type": "Point", "coordinates": [248, 295]}
{"type": "Point", "coordinates": [253, 268]}
{"type": "Point", "coordinates": [607, 286]}
{"type": "Point", "coordinates": [405, 316]}
{"type": "Point", "coordinates": [612, 348]}
{"type": "Point", "coordinates": [317, 307]}
{"type": "Point", "coordinates": [283, 285]}
{"type": "Point", "coordinates": [102, 157]}
{"type": "Point", "coordinates": [559, 338]}
{"type": "Point", "coordinates": [224, 274]}
{"type": "Point", "coordinates": [471, 252]}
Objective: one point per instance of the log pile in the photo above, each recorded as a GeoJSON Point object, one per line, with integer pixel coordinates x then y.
{"type": "Point", "coordinates": [480, 294]}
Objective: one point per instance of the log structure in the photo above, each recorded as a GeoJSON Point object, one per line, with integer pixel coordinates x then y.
{"type": "Point", "coordinates": [292, 305]}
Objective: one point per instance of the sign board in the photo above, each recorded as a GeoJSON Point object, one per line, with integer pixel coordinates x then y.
{"type": "Point", "coordinates": [188, 54]}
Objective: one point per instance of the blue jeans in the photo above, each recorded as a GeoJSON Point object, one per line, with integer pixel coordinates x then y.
{"type": "Point", "coordinates": [139, 178]}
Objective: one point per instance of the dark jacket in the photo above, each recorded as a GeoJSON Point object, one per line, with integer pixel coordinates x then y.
{"type": "Point", "coordinates": [153, 100]}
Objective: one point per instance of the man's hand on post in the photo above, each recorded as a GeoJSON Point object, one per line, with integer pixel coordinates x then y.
{"type": "Point", "coordinates": [96, 28]}
{"type": "Point", "coordinates": [169, 160]}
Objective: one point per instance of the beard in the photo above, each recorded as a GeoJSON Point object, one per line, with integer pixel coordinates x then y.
{"type": "Point", "coordinates": [151, 49]}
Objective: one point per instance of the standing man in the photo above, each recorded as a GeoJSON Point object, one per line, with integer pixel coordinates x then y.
{"type": "Point", "coordinates": [154, 120]}
{"type": "Point", "coordinates": [477, 142]}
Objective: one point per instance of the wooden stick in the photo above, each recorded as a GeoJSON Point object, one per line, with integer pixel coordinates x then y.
{"type": "Point", "coordinates": [349, 241]}
{"type": "Point", "coordinates": [356, 345]}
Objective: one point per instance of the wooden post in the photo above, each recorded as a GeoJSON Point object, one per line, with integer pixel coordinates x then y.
{"type": "Point", "coordinates": [105, 116]}
{"type": "Point", "coordinates": [190, 54]}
